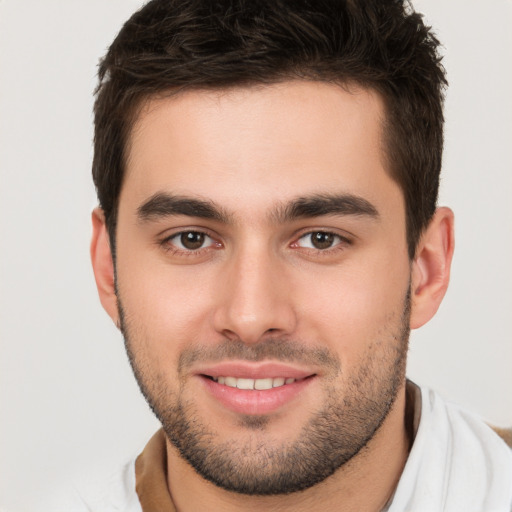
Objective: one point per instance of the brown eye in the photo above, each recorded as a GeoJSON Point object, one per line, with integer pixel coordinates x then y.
{"type": "Point", "coordinates": [191, 240]}
{"type": "Point", "coordinates": [320, 240]}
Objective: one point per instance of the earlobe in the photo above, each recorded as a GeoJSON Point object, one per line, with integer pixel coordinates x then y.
{"type": "Point", "coordinates": [103, 266]}
{"type": "Point", "coordinates": [431, 267]}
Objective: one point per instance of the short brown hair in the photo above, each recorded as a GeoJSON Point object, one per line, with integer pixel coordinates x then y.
{"type": "Point", "coordinates": [175, 45]}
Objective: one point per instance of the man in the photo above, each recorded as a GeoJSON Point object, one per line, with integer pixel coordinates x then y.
{"type": "Point", "coordinates": [267, 236]}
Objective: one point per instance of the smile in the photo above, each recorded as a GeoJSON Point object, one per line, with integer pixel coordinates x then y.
{"type": "Point", "coordinates": [255, 384]}
{"type": "Point", "coordinates": [256, 394]}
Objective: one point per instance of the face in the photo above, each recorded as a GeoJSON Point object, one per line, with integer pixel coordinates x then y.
{"type": "Point", "coordinates": [263, 279]}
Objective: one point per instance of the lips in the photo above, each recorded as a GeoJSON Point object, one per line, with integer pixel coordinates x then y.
{"type": "Point", "coordinates": [255, 389]}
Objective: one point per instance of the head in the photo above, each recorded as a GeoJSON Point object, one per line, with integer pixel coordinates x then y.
{"type": "Point", "coordinates": [383, 46]}
{"type": "Point", "coordinates": [267, 176]}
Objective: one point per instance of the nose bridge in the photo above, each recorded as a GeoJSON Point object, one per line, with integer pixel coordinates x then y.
{"type": "Point", "coordinates": [254, 299]}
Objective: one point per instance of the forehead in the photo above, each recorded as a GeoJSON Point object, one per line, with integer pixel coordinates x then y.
{"type": "Point", "coordinates": [258, 144]}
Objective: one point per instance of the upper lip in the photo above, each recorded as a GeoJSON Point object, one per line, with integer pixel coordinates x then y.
{"type": "Point", "coordinates": [250, 370]}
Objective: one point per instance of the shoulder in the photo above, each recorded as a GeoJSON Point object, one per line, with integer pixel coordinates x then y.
{"type": "Point", "coordinates": [463, 436]}
{"type": "Point", "coordinates": [115, 493]}
{"type": "Point", "coordinates": [456, 463]}
{"type": "Point", "coordinates": [108, 491]}
{"type": "Point", "coordinates": [462, 427]}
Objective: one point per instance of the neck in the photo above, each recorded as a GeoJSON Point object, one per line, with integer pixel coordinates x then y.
{"type": "Point", "coordinates": [365, 483]}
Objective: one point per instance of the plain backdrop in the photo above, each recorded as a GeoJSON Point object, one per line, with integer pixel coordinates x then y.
{"type": "Point", "coordinates": [68, 400]}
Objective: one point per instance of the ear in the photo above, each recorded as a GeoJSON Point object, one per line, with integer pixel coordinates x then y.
{"type": "Point", "coordinates": [431, 267]}
{"type": "Point", "coordinates": [102, 264]}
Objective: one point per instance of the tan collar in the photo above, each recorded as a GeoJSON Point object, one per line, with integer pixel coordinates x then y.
{"type": "Point", "coordinates": [504, 433]}
{"type": "Point", "coordinates": [150, 476]}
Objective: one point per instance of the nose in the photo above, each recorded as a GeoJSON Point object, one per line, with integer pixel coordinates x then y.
{"type": "Point", "coordinates": [255, 299]}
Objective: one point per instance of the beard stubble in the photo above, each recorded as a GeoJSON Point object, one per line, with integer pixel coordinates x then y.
{"type": "Point", "coordinates": [341, 428]}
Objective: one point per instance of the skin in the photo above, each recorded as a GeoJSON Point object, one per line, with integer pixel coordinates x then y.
{"type": "Point", "coordinates": [257, 277]}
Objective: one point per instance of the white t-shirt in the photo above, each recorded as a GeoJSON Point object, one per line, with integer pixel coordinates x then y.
{"type": "Point", "coordinates": [456, 464]}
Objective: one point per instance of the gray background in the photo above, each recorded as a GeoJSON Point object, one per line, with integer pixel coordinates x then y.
{"type": "Point", "coordinates": [68, 401]}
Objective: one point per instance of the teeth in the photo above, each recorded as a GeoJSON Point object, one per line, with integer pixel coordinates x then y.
{"type": "Point", "coordinates": [245, 383]}
{"type": "Point", "coordinates": [262, 384]}
{"type": "Point", "coordinates": [230, 381]}
{"type": "Point", "coordinates": [258, 384]}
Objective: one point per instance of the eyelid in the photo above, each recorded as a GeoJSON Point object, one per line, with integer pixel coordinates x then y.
{"type": "Point", "coordinates": [336, 237]}
{"type": "Point", "coordinates": [177, 236]}
{"type": "Point", "coordinates": [166, 236]}
{"type": "Point", "coordinates": [165, 239]}
{"type": "Point", "coordinates": [344, 240]}
{"type": "Point", "coordinates": [344, 235]}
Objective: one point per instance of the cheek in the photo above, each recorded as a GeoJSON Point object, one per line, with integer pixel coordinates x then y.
{"type": "Point", "coordinates": [167, 308]}
{"type": "Point", "coordinates": [356, 303]}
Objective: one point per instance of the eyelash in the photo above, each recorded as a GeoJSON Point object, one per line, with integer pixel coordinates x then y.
{"type": "Point", "coordinates": [169, 246]}
{"type": "Point", "coordinates": [341, 242]}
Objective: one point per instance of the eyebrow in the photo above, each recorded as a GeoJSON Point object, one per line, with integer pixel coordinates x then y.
{"type": "Point", "coordinates": [162, 205]}
{"type": "Point", "coordinates": [326, 204]}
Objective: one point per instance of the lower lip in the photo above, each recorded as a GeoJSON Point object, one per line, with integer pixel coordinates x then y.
{"type": "Point", "coordinates": [255, 402]}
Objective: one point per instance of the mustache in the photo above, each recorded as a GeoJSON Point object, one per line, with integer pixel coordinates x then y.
{"type": "Point", "coordinates": [286, 351]}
